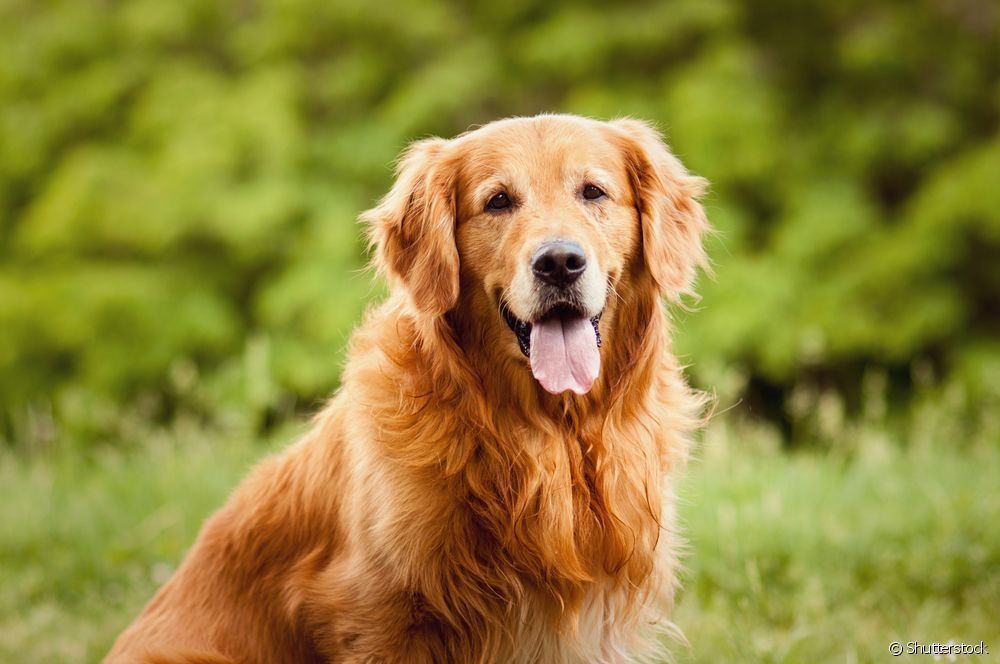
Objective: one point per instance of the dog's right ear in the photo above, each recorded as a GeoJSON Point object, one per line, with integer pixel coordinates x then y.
{"type": "Point", "coordinates": [671, 218]}
{"type": "Point", "coordinates": [413, 228]}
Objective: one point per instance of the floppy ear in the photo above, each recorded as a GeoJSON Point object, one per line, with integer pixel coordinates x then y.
{"type": "Point", "coordinates": [413, 228]}
{"type": "Point", "coordinates": [666, 197]}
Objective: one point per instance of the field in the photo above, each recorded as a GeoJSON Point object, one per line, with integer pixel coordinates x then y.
{"type": "Point", "coordinates": [793, 557]}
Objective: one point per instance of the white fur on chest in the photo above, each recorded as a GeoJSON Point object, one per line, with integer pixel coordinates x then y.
{"type": "Point", "coordinates": [598, 637]}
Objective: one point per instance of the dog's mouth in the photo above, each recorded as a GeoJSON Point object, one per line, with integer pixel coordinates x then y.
{"type": "Point", "coordinates": [561, 345]}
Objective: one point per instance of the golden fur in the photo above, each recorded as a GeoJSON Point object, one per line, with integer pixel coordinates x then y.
{"type": "Point", "coordinates": [444, 508]}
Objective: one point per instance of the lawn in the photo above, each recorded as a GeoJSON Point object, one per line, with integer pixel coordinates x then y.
{"type": "Point", "coordinates": [792, 557]}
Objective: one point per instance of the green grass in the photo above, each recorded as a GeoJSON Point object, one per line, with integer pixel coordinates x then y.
{"type": "Point", "coordinates": [806, 557]}
{"type": "Point", "coordinates": [814, 558]}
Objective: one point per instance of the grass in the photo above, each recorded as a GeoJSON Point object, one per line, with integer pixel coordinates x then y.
{"type": "Point", "coordinates": [804, 557]}
{"type": "Point", "coordinates": [830, 557]}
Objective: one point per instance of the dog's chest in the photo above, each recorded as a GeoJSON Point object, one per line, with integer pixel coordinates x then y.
{"type": "Point", "coordinates": [593, 638]}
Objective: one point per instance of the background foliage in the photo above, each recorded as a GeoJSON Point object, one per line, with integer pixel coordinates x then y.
{"type": "Point", "coordinates": [179, 183]}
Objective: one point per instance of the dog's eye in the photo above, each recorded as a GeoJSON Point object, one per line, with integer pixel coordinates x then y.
{"type": "Point", "coordinates": [592, 193]}
{"type": "Point", "coordinates": [499, 202]}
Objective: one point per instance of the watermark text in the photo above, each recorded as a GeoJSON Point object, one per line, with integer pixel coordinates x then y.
{"type": "Point", "coordinates": [950, 650]}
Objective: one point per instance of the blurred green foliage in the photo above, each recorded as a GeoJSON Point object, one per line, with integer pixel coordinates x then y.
{"type": "Point", "coordinates": [179, 183]}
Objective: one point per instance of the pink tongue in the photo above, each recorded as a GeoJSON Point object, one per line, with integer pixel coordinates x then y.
{"type": "Point", "coordinates": [564, 354]}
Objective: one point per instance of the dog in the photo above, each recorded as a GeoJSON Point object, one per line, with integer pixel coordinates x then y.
{"type": "Point", "coordinates": [493, 480]}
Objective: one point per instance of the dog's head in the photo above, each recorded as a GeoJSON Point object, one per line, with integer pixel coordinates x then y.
{"type": "Point", "coordinates": [533, 226]}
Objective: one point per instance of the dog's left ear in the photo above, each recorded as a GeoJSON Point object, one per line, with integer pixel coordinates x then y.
{"type": "Point", "coordinates": [666, 198]}
{"type": "Point", "coordinates": [413, 228]}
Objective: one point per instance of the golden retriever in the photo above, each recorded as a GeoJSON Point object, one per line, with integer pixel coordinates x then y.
{"type": "Point", "coordinates": [492, 481]}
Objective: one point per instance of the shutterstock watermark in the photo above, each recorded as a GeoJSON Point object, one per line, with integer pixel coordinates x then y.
{"type": "Point", "coordinates": [949, 651]}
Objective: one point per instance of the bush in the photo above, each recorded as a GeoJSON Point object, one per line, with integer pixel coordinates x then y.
{"type": "Point", "coordinates": [179, 183]}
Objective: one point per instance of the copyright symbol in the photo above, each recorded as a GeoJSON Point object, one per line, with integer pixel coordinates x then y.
{"type": "Point", "coordinates": [895, 648]}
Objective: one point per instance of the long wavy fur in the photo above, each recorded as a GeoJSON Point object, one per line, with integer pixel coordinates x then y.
{"type": "Point", "coordinates": [443, 508]}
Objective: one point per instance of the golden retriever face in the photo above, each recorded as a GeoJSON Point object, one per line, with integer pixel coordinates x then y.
{"type": "Point", "coordinates": [531, 224]}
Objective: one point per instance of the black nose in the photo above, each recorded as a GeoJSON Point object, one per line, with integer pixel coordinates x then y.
{"type": "Point", "coordinates": [559, 263]}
